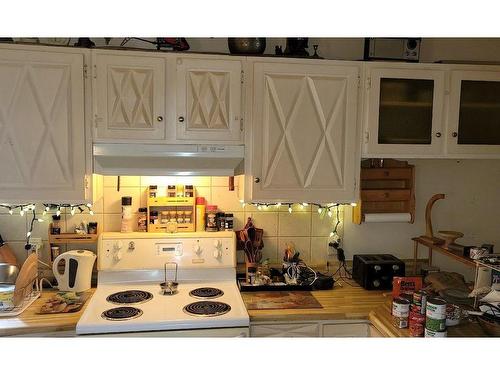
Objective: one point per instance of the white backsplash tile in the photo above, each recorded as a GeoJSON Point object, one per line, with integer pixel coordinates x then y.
{"type": "Point", "coordinates": [13, 227]}
{"type": "Point", "coordinates": [112, 181]}
{"type": "Point", "coordinates": [113, 199]}
{"type": "Point", "coordinates": [270, 249]}
{"type": "Point", "coordinates": [225, 200]}
{"type": "Point", "coordinates": [319, 250]}
{"type": "Point", "coordinates": [267, 221]}
{"type": "Point", "coordinates": [295, 224]}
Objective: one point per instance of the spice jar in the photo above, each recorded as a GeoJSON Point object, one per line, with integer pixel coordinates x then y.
{"type": "Point", "coordinates": [211, 218]}
{"type": "Point", "coordinates": [142, 221]}
{"type": "Point", "coordinates": [126, 214]}
{"type": "Point", "coordinates": [229, 223]}
{"type": "Point", "coordinates": [221, 221]}
{"type": "Point", "coordinates": [153, 217]}
{"type": "Point", "coordinates": [180, 217]}
{"type": "Point", "coordinates": [164, 218]}
{"type": "Point", "coordinates": [187, 217]}
{"type": "Point", "coordinates": [171, 191]}
{"type": "Point", "coordinates": [188, 191]}
{"type": "Point", "coordinates": [54, 252]}
{"type": "Point", "coordinates": [153, 189]}
{"type": "Point", "coordinates": [56, 224]}
{"type": "Point", "coordinates": [92, 228]}
{"type": "Point", "coordinates": [173, 216]}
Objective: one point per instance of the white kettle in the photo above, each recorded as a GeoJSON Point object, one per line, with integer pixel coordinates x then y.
{"type": "Point", "coordinates": [77, 270]}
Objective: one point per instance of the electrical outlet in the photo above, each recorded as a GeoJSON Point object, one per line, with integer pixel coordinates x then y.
{"type": "Point", "coordinates": [36, 245]}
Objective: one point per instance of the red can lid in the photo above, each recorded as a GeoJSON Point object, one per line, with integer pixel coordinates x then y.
{"type": "Point", "coordinates": [211, 208]}
{"type": "Point", "coordinates": [200, 200]}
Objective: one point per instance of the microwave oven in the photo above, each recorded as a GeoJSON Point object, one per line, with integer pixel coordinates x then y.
{"type": "Point", "coordinates": [403, 49]}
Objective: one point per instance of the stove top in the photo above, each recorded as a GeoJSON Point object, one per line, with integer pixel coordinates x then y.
{"type": "Point", "coordinates": [129, 297]}
{"type": "Point", "coordinates": [207, 308]}
{"type": "Point", "coordinates": [206, 293]}
{"type": "Point", "coordinates": [122, 313]}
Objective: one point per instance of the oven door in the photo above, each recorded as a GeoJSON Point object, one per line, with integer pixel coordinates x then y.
{"type": "Point", "coordinates": [209, 332]}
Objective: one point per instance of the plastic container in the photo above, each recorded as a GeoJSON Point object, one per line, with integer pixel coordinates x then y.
{"type": "Point", "coordinates": [200, 214]}
{"type": "Point", "coordinates": [211, 218]}
{"type": "Point", "coordinates": [229, 223]}
{"type": "Point", "coordinates": [126, 214]}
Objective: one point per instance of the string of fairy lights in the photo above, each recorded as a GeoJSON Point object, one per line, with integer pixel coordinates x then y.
{"type": "Point", "coordinates": [31, 209]}
{"type": "Point", "coordinates": [329, 209]}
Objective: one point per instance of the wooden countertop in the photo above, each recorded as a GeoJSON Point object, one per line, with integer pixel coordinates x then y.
{"type": "Point", "coordinates": [340, 303]}
{"type": "Point", "coordinates": [32, 323]}
{"type": "Point", "coordinates": [381, 319]}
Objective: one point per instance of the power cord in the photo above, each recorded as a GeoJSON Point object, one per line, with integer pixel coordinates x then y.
{"type": "Point", "coordinates": [342, 264]}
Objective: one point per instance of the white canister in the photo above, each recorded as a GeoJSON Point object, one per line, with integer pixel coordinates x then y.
{"type": "Point", "coordinates": [126, 214]}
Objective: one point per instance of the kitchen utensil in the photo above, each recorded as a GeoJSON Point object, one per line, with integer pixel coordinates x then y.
{"type": "Point", "coordinates": [429, 234]}
{"type": "Point", "coordinates": [490, 321]}
{"type": "Point", "coordinates": [25, 279]}
{"type": "Point", "coordinates": [449, 237]}
{"type": "Point", "coordinates": [77, 272]}
{"type": "Point", "coordinates": [6, 253]}
{"type": "Point", "coordinates": [8, 273]}
{"type": "Point", "coordinates": [170, 287]}
{"type": "Point", "coordinates": [247, 46]}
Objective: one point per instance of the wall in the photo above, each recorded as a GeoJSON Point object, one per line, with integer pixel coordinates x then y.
{"type": "Point", "coordinates": [303, 227]}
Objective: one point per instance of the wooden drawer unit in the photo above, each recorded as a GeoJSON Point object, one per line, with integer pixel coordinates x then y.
{"type": "Point", "coordinates": [387, 186]}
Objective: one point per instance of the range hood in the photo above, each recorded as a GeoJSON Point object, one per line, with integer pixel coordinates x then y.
{"type": "Point", "coordinates": [167, 160]}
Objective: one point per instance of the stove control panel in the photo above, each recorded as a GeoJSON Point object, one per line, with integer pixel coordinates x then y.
{"type": "Point", "coordinates": [153, 251]}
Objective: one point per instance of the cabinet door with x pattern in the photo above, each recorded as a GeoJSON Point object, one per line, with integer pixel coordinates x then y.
{"type": "Point", "coordinates": [304, 132]}
{"type": "Point", "coordinates": [208, 100]}
{"type": "Point", "coordinates": [129, 97]}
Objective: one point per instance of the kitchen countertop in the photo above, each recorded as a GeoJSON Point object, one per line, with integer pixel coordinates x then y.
{"type": "Point", "coordinates": [341, 303]}
{"type": "Point", "coordinates": [32, 323]}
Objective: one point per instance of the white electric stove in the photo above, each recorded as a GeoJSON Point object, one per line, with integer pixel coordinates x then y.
{"type": "Point", "coordinates": [129, 300]}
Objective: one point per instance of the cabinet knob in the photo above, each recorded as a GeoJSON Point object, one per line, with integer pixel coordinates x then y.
{"type": "Point", "coordinates": [256, 180]}
{"type": "Point", "coordinates": [438, 134]}
{"type": "Point", "coordinates": [160, 118]}
{"type": "Point", "coordinates": [454, 134]}
{"type": "Point", "coordinates": [181, 119]}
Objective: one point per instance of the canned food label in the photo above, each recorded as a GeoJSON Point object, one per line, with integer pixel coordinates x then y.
{"type": "Point", "coordinates": [400, 308]}
{"type": "Point", "coordinates": [436, 309]}
{"type": "Point", "coordinates": [430, 333]}
{"type": "Point", "coordinates": [435, 324]}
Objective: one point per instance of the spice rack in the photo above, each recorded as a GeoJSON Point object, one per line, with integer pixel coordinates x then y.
{"type": "Point", "coordinates": [68, 238]}
{"type": "Point", "coordinates": [173, 214]}
{"type": "Point", "coordinates": [387, 186]}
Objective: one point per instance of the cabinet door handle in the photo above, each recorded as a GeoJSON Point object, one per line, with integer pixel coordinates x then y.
{"type": "Point", "coordinates": [454, 134]}
{"type": "Point", "coordinates": [160, 118]}
{"type": "Point", "coordinates": [181, 119]}
{"type": "Point", "coordinates": [438, 134]}
{"type": "Point", "coordinates": [256, 180]}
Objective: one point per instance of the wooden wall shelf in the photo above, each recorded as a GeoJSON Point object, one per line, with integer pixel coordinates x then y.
{"type": "Point", "coordinates": [387, 186]}
{"type": "Point", "coordinates": [67, 238]}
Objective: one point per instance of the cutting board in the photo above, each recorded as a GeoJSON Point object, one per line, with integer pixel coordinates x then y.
{"type": "Point", "coordinates": [6, 254]}
{"type": "Point", "coordinates": [280, 300]}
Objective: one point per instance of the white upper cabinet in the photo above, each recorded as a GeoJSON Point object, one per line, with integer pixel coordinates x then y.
{"type": "Point", "coordinates": [474, 120]}
{"type": "Point", "coordinates": [42, 128]}
{"type": "Point", "coordinates": [208, 100]}
{"type": "Point", "coordinates": [404, 110]}
{"type": "Point", "coordinates": [304, 143]}
{"type": "Point", "coordinates": [129, 96]}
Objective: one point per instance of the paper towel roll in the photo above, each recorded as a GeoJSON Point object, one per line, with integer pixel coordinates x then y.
{"type": "Point", "coordinates": [388, 218]}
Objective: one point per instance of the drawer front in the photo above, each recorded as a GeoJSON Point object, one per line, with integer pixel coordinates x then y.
{"type": "Point", "coordinates": [386, 173]}
{"type": "Point", "coordinates": [345, 330]}
{"type": "Point", "coordinates": [285, 330]}
{"type": "Point", "coordinates": [385, 195]}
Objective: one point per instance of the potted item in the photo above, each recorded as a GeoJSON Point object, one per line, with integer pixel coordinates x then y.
{"type": "Point", "coordinates": [247, 46]}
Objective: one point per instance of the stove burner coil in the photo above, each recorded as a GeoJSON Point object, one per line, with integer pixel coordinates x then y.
{"type": "Point", "coordinates": [207, 308]}
{"type": "Point", "coordinates": [121, 313]}
{"type": "Point", "coordinates": [129, 297]}
{"type": "Point", "coordinates": [206, 293]}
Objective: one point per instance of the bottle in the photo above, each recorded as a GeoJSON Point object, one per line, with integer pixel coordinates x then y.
{"type": "Point", "coordinates": [229, 224]}
{"type": "Point", "coordinates": [126, 214]}
{"type": "Point", "coordinates": [221, 221]}
{"type": "Point", "coordinates": [153, 189]}
{"type": "Point", "coordinates": [56, 224]}
{"type": "Point", "coordinates": [171, 191]}
{"type": "Point", "coordinates": [188, 191]}
{"type": "Point", "coordinates": [153, 217]}
{"type": "Point", "coordinates": [200, 214]}
{"type": "Point", "coordinates": [142, 220]}
{"type": "Point", "coordinates": [211, 218]}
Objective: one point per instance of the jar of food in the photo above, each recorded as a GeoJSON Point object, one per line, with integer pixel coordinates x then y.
{"type": "Point", "coordinates": [180, 217]}
{"type": "Point", "coordinates": [153, 189]}
{"type": "Point", "coordinates": [126, 214]}
{"type": "Point", "coordinates": [188, 191]}
{"type": "Point", "coordinates": [229, 223]}
{"type": "Point", "coordinates": [211, 218]}
{"type": "Point", "coordinates": [54, 252]}
{"type": "Point", "coordinates": [171, 191]}
{"type": "Point", "coordinates": [221, 221]}
{"type": "Point", "coordinates": [92, 228]}
{"type": "Point", "coordinates": [142, 221]}
{"type": "Point", "coordinates": [164, 217]}
{"type": "Point", "coordinates": [173, 216]}
{"type": "Point", "coordinates": [153, 217]}
{"type": "Point", "coordinates": [56, 224]}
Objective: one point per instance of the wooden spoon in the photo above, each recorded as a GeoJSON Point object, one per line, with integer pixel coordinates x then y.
{"type": "Point", "coordinates": [25, 279]}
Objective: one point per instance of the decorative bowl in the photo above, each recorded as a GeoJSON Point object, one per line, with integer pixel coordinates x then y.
{"type": "Point", "coordinates": [449, 236]}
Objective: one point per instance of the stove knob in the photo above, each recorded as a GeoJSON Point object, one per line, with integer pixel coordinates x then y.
{"type": "Point", "coordinates": [178, 251]}
{"type": "Point", "coordinates": [217, 254]}
{"type": "Point", "coordinates": [395, 267]}
{"type": "Point", "coordinates": [377, 268]}
{"type": "Point", "coordinates": [117, 245]}
{"type": "Point", "coordinates": [131, 245]}
{"type": "Point", "coordinates": [118, 256]}
{"type": "Point", "coordinates": [376, 283]}
{"type": "Point", "coordinates": [197, 249]}
{"type": "Point", "coordinates": [217, 244]}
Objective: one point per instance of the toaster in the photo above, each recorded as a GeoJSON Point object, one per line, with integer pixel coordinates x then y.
{"type": "Point", "coordinates": [375, 271]}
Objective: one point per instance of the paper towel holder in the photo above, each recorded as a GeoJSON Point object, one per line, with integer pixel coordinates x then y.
{"type": "Point", "coordinates": [387, 187]}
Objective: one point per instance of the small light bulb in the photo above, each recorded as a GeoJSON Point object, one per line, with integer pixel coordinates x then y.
{"type": "Point", "coordinates": [21, 213]}
{"type": "Point", "coordinates": [278, 204]}
{"type": "Point", "coordinates": [259, 207]}
{"type": "Point", "coordinates": [243, 204]}
{"type": "Point", "coordinates": [290, 208]}
{"type": "Point", "coordinates": [320, 210]}
{"type": "Point", "coordinates": [242, 201]}
{"type": "Point", "coordinates": [28, 234]}
{"type": "Point", "coordinates": [40, 220]}
{"type": "Point", "coordinates": [58, 212]}
{"type": "Point", "coordinates": [91, 212]}
{"type": "Point", "coordinates": [331, 234]}
{"type": "Point", "coordinates": [305, 204]}
{"type": "Point", "coordinates": [47, 208]}
{"type": "Point", "coordinates": [354, 204]}
{"type": "Point", "coordinates": [25, 208]}
{"type": "Point", "coordinates": [44, 213]}
{"type": "Point", "coordinates": [72, 211]}
{"type": "Point", "coordinates": [301, 205]}
{"type": "Point", "coordinates": [330, 213]}
{"type": "Point", "coordinates": [11, 212]}
{"type": "Point", "coordinates": [89, 205]}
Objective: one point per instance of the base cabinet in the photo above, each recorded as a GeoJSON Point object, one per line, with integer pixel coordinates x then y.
{"type": "Point", "coordinates": [321, 328]}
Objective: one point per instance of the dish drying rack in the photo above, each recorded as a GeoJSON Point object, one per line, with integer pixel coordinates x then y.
{"type": "Point", "coordinates": [23, 298]}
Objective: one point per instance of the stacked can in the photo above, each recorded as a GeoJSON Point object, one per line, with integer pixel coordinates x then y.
{"type": "Point", "coordinates": [417, 314]}
{"type": "Point", "coordinates": [400, 312]}
{"type": "Point", "coordinates": [435, 322]}
{"type": "Point", "coordinates": [453, 313]}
